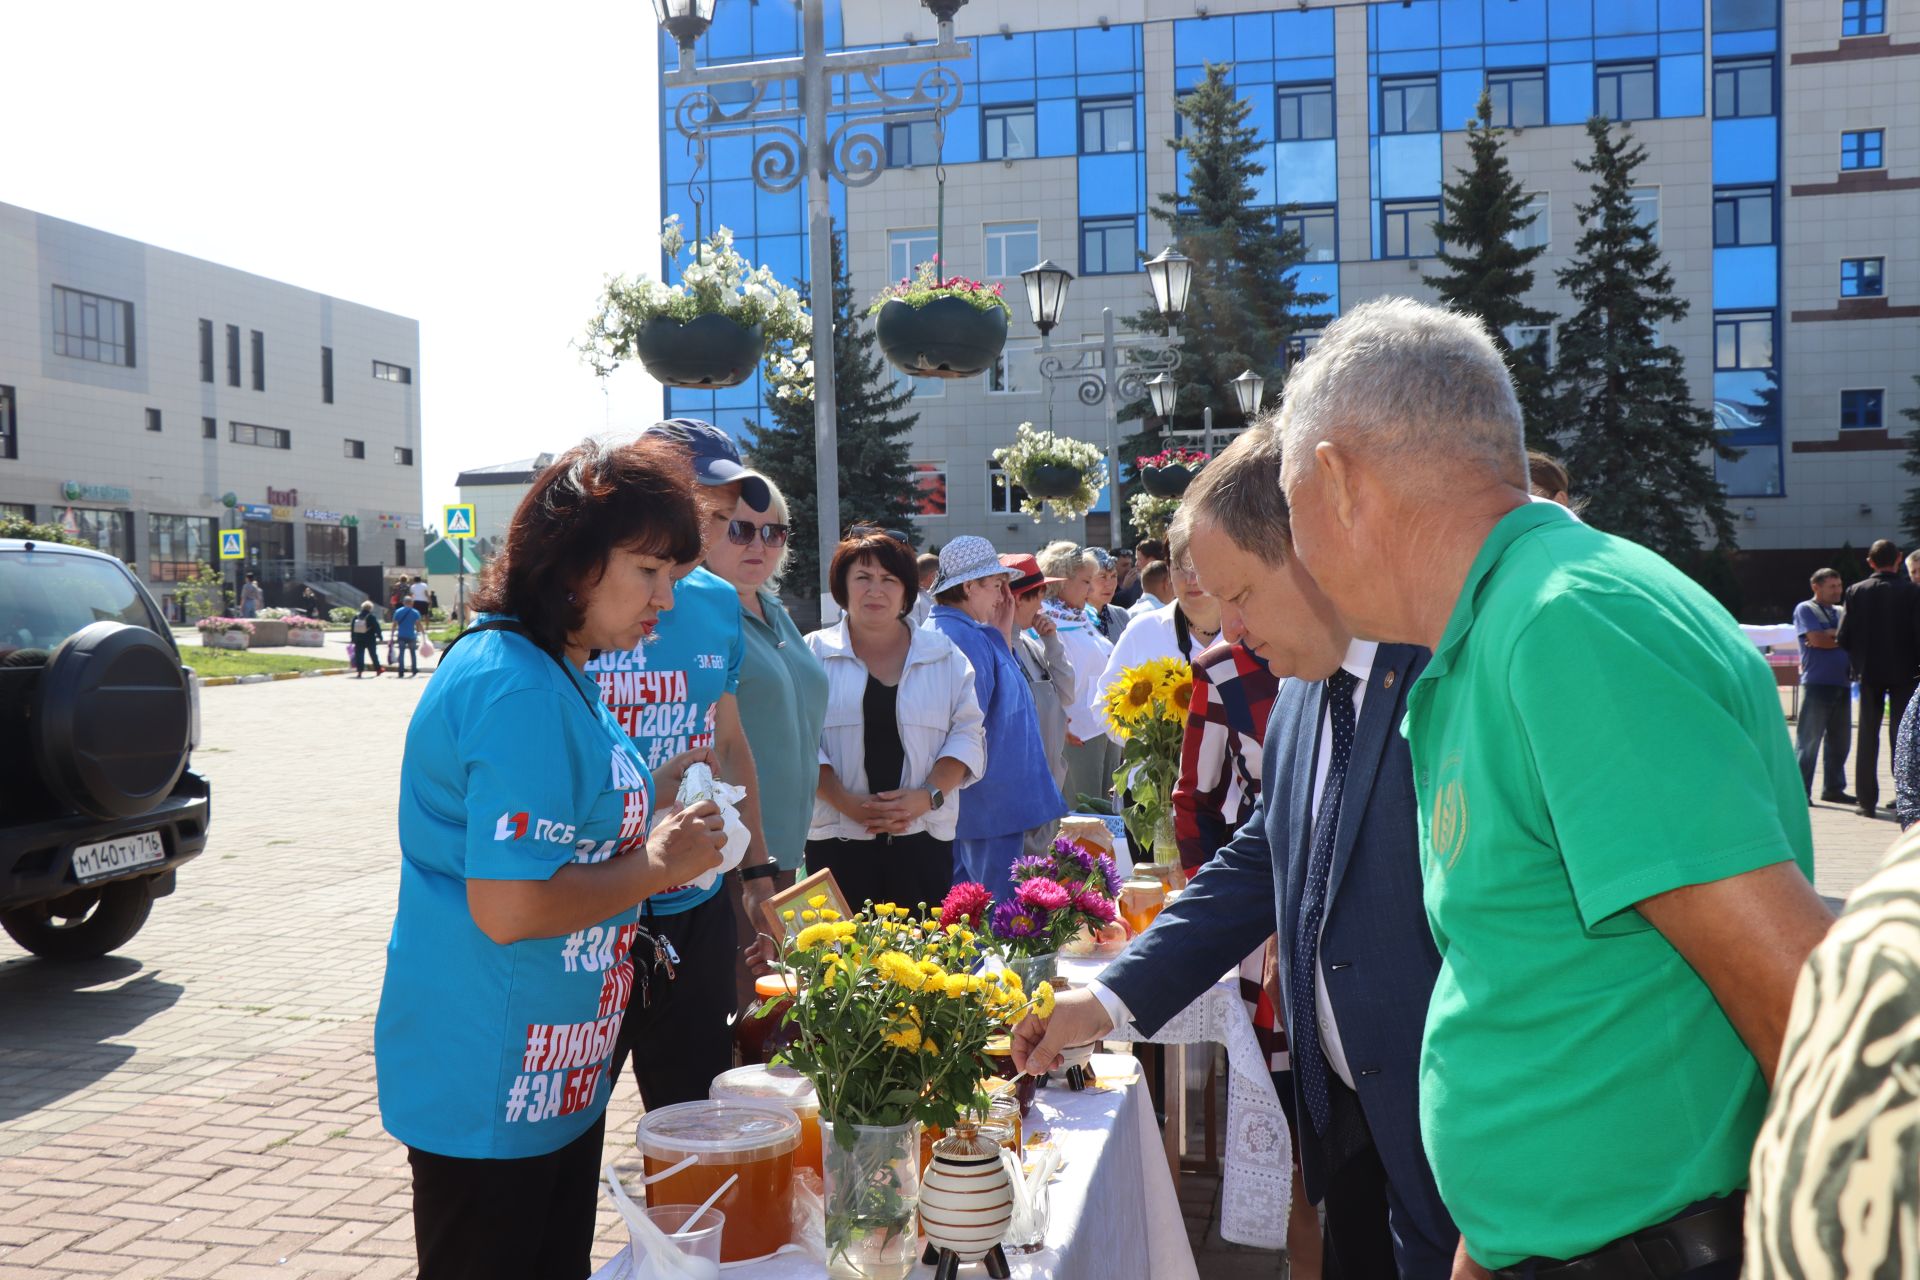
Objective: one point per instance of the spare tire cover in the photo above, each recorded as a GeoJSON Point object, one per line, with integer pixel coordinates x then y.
{"type": "Point", "coordinates": [111, 720]}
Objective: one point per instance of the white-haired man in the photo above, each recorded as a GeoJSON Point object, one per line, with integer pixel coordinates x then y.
{"type": "Point", "coordinates": [1614, 837]}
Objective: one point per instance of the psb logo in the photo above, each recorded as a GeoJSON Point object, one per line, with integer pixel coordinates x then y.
{"type": "Point", "coordinates": [1447, 833]}
{"type": "Point", "coordinates": [512, 826]}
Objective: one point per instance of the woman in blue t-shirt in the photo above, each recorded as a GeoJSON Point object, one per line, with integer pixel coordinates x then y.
{"type": "Point", "coordinates": [527, 844]}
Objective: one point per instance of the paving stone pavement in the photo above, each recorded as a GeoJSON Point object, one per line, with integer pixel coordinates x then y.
{"type": "Point", "coordinates": [202, 1105]}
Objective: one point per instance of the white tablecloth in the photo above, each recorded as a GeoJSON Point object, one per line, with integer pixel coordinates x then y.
{"type": "Point", "coordinates": [1256, 1188]}
{"type": "Point", "coordinates": [1114, 1212]}
{"type": "Point", "coordinates": [1761, 637]}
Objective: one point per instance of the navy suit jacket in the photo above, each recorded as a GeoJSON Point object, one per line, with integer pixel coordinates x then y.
{"type": "Point", "coordinates": [1376, 946]}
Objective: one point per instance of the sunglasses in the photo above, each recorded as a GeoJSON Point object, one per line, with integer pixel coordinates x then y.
{"type": "Point", "coordinates": [740, 533]}
{"type": "Point", "coordinates": [869, 530]}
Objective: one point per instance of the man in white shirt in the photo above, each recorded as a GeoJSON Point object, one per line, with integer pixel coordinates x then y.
{"type": "Point", "coordinates": [1335, 840]}
{"type": "Point", "coordinates": [1156, 589]}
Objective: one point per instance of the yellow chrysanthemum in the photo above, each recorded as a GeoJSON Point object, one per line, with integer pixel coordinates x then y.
{"type": "Point", "coordinates": [1011, 980]}
{"type": "Point", "coordinates": [906, 1037]}
{"type": "Point", "coordinates": [957, 985]}
{"type": "Point", "coordinates": [812, 936]}
{"type": "Point", "coordinates": [809, 915]}
{"type": "Point", "coordinates": [928, 1046]}
{"type": "Point", "coordinates": [932, 969]}
{"type": "Point", "coordinates": [817, 901]}
{"type": "Point", "coordinates": [883, 909]}
{"type": "Point", "coordinates": [829, 913]}
{"type": "Point", "coordinates": [1043, 1000]}
{"type": "Point", "coordinates": [898, 967]}
{"type": "Point", "coordinates": [787, 914]}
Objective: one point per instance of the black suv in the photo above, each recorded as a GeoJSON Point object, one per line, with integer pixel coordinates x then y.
{"type": "Point", "coordinates": [98, 720]}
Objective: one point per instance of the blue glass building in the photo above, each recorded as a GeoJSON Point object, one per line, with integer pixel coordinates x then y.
{"type": "Point", "coordinates": [1794, 242]}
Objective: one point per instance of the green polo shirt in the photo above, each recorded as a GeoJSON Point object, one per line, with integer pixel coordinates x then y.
{"type": "Point", "coordinates": [1593, 730]}
{"type": "Point", "coordinates": [783, 704]}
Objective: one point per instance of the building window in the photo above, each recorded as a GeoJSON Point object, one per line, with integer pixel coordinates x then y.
{"type": "Point", "coordinates": [9, 425]}
{"type": "Point", "coordinates": [1015, 372]}
{"type": "Point", "coordinates": [233, 355]}
{"type": "Point", "coordinates": [1106, 126]}
{"type": "Point", "coordinates": [1862, 277]}
{"type": "Point", "coordinates": [326, 375]}
{"type": "Point", "coordinates": [1300, 346]}
{"type": "Point", "coordinates": [1519, 97]}
{"type": "Point", "coordinates": [1003, 495]}
{"type": "Point", "coordinates": [1012, 247]}
{"type": "Point", "coordinates": [1861, 149]}
{"type": "Point", "coordinates": [87, 326]}
{"type": "Point", "coordinates": [1532, 343]}
{"type": "Point", "coordinates": [1008, 132]}
{"type": "Point", "coordinates": [177, 546]}
{"type": "Point", "coordinates": [402, 456]}
{"type": "Point", "coordinates": [1314, 224]}
{"type": "Point", "coordinates": [1861, 410]}
{"type": "Point", "coordinates": [1646, 209]}
{"type": "Point", "coordinates": [1108, 246]}
{"type": "Point", "coordinates": [356, 448]}
{"type": "Point", "coordinates": [1742, 340]}
{"type": "Point", "coordinates": [1537, 234]}
{"type": "Point", "coordinates": [17, 511]}
{"type": "Point", "coordinates": [259, 360]}
{"type": "Point", "coordinates": [100, 528]}
{"type": "Point", "coordinates": [1624, 91]}
{"type": "Point", "coordinates": [1742, 216]}
{"type": "Point", "coordinates": [399, 551]}
{"type": "Point", "coordinates": [929, 488]}
{"type": "Point", "coordinates": [911, 142]}
{"type": "Point", "coordinates": [1742, 87]}
{"type": "Point", "coordinates": [264, 437]}
{"type": "Point", "coordinates": [1863, 17]}
{"type": "Point", "coordinates": [391, 372]}
{"type": "Point", "coordinates": [209, 429]}
{"type": "Point", "coordinates": [153, 419]}
{"type": "Point", "coordinates": [1406, 228]}
{"type": "Point", "coordinates": [908, 249]}
{"type": "Point", "coordinates": [905, 384]}
{"type": "Point", "coordinates": [1304, 112]}
{"type": "Point", "coordinates": [1409, 104]}
{"type": "Point", "coordinates": [206, 351]}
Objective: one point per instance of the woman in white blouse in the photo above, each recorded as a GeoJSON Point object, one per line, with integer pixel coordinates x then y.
{"type": "Point", "coordinates": [1091, 755]}
{"type": "Point", "coordinates": [903, 734]}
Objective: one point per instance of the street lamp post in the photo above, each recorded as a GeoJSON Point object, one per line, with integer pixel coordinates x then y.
{"type": "Point", "coordinates": [1096, 368]}
{"type": "Point", "coordinates": [785, 155]}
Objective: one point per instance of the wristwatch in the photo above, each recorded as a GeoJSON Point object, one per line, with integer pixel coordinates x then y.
{"type": "Point", "coordinates": [939, 796]}
{"type": "Point", "coordinates": [762, 870]}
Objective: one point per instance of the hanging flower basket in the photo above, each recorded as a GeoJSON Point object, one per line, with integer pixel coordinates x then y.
{"type": "Point", "coordinates": [1168, 473]}
{"type": "Point", "coordinates": [1152, 514]}
{"type": "Point", "coordinates": [940, 328]}
{"type": "Point", "coordinates": [1060, 475]}
{"type": "Point", "coordinates": [709, 330]}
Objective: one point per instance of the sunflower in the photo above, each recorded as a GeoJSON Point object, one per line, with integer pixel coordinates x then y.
{"type": "Point", "coordinates": [1129, 699]}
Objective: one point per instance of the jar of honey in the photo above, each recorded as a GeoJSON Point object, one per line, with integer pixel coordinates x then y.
{"type": "Point", "coordinates": [760, 1036]}
{"type": "Point", "coordinates": [1140, 902]}
{"type": "Point", "coordinates": [778, 1086]}
{"type": "Point", "coordinates": [757, 1142]}
{"type": "Point", "coordinates": [999, 1052]}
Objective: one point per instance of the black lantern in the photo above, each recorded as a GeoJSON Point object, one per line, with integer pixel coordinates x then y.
{"type": "Point", "coordinates": [1046, 293]}
{"type": "Point", "coordinates": [685, 20]}
{"type": "Point", "coordinates": [1247, 390]}
{"type": "Point", "coordinates": [1170, 272]}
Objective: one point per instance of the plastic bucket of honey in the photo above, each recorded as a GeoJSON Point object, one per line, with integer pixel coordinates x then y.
{"type": "Point", "coordinates": [757, 1142]}
{"type": "Point", "coordinates": [776, 1086]}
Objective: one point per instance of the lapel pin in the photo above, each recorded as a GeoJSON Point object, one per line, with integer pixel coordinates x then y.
{"type": "Point", "coordinates": [1389, 681]}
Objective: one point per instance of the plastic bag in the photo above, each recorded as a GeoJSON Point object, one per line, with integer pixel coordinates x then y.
{"type": "Point", "coordinates": [698, 784]}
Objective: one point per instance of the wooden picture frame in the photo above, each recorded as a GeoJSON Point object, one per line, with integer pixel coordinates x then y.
{"type": "Point", "coordinates": [795, 900]}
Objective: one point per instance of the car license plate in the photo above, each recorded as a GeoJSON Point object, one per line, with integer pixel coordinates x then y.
{"type": "Point", "coordinates": [124, 853]}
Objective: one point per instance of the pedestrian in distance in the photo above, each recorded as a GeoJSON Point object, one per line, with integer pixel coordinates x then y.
{"type": "Point", "coordinates": [1826, 690]}
{"type": "Point", "coordinates": [251, 597]}
{"type": "Point", "coordinates": [406, 638]}
{"type": "Point", "coordinates": [1880, 630]}
{"type": "Point", "coordinates": [364, 636]}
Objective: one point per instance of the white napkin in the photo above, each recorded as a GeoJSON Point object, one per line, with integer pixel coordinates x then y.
{"type": "Point", "coordinates": [697, 784]}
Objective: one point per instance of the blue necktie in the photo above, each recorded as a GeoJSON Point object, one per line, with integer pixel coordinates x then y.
{"type": "Point", "coordinates": [1308, 1057]}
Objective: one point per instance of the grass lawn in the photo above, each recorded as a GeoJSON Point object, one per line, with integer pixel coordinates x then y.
{"type": "Point", "coordinates": [242, 662]}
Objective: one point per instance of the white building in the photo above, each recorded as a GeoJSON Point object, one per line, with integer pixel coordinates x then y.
{"type": "Point", "coordinates": [494, 493]}
{"type": "Point", "coordinates": [140, 387]}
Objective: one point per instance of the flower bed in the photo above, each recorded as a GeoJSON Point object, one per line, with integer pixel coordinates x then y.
{"type": "Point", "coordinates": [225, 633]}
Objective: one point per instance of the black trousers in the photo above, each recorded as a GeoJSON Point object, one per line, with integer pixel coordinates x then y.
{"type": "Point", "coordinates": [903, 870]}
{"type": "Point", "coordinates": [525, 1219]}
{"type": "Point", "coordinates": [1368, 1231]}
{"type": "Point", "coordinates": [684, 1037]}
{"type": "Point", "coordinates": [366, 654]}
{"type": "Point", "coordinates": [1874, 698]}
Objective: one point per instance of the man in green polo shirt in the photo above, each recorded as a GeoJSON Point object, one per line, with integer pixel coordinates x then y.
{"type": "Point", "coordinates": [1614, 835]}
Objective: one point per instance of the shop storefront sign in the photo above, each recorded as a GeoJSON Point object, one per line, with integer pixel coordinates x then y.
{"type": "Point", "coordinates": [79, 491]}
{"type": "Point", "coordinates": [254, 511]}
{"type": "Point", "coordinates": [283, 497]}
{"type": "Point", "coordinates": [324, 517]}
{"type": "Point", "coordinates": [282, 513]}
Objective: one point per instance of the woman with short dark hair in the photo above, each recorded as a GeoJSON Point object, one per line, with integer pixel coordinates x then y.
{"type": "Point", "coordinates": [903, 734]}
{"type": "Point", "coordinates": [524, 833]}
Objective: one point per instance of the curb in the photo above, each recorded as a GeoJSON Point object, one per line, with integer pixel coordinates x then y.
{"type": "Point", "coordinates": [269, 677]}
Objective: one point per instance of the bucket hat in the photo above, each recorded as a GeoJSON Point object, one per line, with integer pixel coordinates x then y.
{"type": "Point", "coordinates": [967, 558]}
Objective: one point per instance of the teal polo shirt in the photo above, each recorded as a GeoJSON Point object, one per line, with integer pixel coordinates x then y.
{"type": "Point", "coordinates": [783, 704]}
{"type": "Point", "coordinates": [1593, 730]}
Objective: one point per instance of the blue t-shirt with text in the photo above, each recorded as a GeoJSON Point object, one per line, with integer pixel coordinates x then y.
{"type": "Point", "coordinates": [481, 1050]}
{"type": "Point", "coordinates": [665, 692]}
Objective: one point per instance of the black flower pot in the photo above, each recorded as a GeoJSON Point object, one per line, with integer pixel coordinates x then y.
{"type": "Point", "coordinates": [1051, 481]}
{"type": "Point", "coordinates": [947, 338]}
{"type": "Point", "coordinates": [1166, 482]}
{"type": "Point", "coordinates": [705, 352]}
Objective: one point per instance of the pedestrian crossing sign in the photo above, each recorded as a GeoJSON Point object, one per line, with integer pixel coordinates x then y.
{"type": "Point", "coordinates": [233, 544]}
{"type": "Point", "coordinates": [458, 521]}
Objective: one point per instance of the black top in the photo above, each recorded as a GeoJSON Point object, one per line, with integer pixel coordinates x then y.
{"type": "Point", "coordinates": [1881, 629]}
{"type": "Point", "coordinates": [886, 757]}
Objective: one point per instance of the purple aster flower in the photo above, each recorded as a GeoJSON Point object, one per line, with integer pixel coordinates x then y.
{"type": "Point", "coordinates": [1032, 865]}
{"type": "Point", "coordinates": [1077, 854]}
{"type": "Point", "coordinates": [1016, 921]}
{"type": "Point", "coordinates": [1109, 872]}
{"type": "Point", "coordinates": [1095, 906]}
{"type": "Point", "coordinates": [1047, 894]}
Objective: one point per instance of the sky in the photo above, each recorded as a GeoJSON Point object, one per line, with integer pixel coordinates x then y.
{"type": "Point", "coordinates": [480, 168]}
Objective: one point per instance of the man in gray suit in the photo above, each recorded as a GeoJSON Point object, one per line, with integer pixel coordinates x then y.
{"type": "Point", "coordinates": [1332, 855]}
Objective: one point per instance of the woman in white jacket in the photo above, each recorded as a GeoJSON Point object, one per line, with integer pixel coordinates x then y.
{"type": "Point", "coordinates": [903, 734]}
{"type": "Point", "coordinates": [1091, 757]}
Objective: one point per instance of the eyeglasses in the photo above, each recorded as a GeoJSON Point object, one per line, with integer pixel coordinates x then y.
{"type": "Point", "coordinates": [740, 533]}
{"type": "Point", "coordinates": [869, 530]}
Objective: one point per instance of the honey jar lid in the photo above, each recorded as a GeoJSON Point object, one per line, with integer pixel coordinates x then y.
{"type": "Point", "coordinates": [758, 1083]}
{"type": "Point", "coordinates": [999, 1047]}
{"type": "Point", "coordinates": [771, 985]}
{"type": "Point", "coordinates": [723, 1132]}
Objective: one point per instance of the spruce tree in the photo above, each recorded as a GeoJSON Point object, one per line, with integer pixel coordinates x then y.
{"type": "Point", "coordinates": [1910, 508]}
{"type": "Point", "coordinates": [876, 482]}
{"type": "Point", "coordinates": [1633, 437]}
{"type": "Point", "coordinates": [1244, 304]}
{"type": "Point", "coordinates": [1488, 275]}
